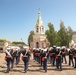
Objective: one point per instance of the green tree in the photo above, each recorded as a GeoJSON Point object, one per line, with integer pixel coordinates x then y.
{"type": "Point", "coordinates": [51, 34]}
{"type": "Point", "coordinates": [30, 37]}
{"type": "Point", "coordinates": [2, 40]}
{"type": "Point", "coordinates": [70, 31]}
{"type": "Point", "coordinates": [16, 43]}
{"type": "Point", "coordinates": [64, 34]}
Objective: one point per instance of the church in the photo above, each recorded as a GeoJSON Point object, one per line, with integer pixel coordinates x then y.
{"type": "Point", "coordinates": [39, 39]}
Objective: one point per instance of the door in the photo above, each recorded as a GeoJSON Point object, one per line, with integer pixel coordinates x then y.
{"type": "Point", "coordinates": [37, 45]}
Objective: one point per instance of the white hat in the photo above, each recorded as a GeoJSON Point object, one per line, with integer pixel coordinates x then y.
{"type": "Point", "coordinates": [45, 50]}
{"type": "Point", "coordinates": [54, 46]}
{"type": "Point", "coordinates": [58, 47]}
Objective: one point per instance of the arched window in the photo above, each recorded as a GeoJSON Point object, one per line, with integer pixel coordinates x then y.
{"type": "Point", "coordinates": [37, 29]}
{"type": "Point", "coordinates": [42, 29]}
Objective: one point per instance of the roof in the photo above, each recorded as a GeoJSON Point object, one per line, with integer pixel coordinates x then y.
{"type": "Point", "coordinates": [39, 20]}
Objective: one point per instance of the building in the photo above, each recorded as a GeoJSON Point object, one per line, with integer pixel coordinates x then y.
{"type": "Point", "coordinates": [73, 41]}
{"type": "Point", "coordinates": [39, 39]}
{"type": "Point", "coordinates": [74, 37]}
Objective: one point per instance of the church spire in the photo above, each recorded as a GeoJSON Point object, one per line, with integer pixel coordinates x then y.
{"type": "Point", "coordinates": [39, 24]}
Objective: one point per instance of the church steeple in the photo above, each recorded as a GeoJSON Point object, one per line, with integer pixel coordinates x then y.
{"type": "Point", "coordinates": [39, 24]}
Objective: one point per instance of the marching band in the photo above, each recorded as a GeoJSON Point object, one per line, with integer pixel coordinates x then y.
{"type": "Point", "coordinates": [54, 56]}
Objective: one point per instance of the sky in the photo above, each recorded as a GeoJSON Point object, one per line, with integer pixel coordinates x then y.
{"type": "Point", "coordinates": [19, 17]}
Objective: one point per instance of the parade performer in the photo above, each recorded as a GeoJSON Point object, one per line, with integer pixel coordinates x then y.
{"type": "Point", "coordinates": [8, 58]}
{"type": "Point", "coordinates": [50, 54]}
{"type": "Point", "coordinates": [58, 59]}
{"type": "Point", "coordinates": [41, 53]}
{"type": "Point", "coordinates": [71, 53]}
{"type": "Point", "coordinates": [12, 60]}
{"type": "Point", "coordinates": [44, 60]}
{"type": "Point", "coordinates": [75, 57]}
{"type": "Point", "coordinates": [25, 58]}
{"type": "Point", "coordinates": [64, 54]}
{"type": "Point", "coordinates": [17, 55]}
{"type": "Point", "coordinates": [53, 55]}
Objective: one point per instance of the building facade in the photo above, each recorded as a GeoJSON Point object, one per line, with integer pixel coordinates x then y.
{"type": "Point", "coordinates": [73, 41]}
{"type": "Point", "coordinates": [39, 39]}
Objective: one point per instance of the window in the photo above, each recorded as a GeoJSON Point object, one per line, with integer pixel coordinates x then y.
{"type": "Point", "coordinates": [37, 29]}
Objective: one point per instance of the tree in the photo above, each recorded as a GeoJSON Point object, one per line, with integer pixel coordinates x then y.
{"type": "Point", "coordinates": [64, 34]}
{"type": "Point", "coordinates": [51, 34]}
{"type": "Point", "coordinates": [2, 40]}
{"type": "Point", "coordinates": [30, 37]}
{"type": "Point", "coordinates": [16, 43]}
{"type": "Point", "coordinates": [70, 31]}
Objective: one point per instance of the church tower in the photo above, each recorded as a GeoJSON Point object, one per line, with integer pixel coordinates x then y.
{"type": "Point", "coordinates": [39, 24]}
{"type": "Point", "coordinates": [39, 39]}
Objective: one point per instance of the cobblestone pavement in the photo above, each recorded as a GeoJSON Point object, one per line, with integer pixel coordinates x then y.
{"type": "Point", "coordinates": [34, 68]}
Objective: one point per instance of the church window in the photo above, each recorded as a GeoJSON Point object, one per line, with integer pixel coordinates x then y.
{"type": "Point", "coordinates": [42, 29]}
{"type": "Point", "coordinates": [37, 29]}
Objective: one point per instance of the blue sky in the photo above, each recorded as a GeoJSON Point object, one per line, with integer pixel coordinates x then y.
{"type": "Point", "coordinates": [19, 17]}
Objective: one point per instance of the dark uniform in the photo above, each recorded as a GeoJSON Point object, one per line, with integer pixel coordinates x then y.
{"type": "Point", "coordinates": [17, 55]}
{"type": "Point", "coordinates": [58, 59]}
{"type": "Point", "coordinates": [8, 60]}
{"type": "Point", "coordinates": [64, 55]}
{"type": "Point", "coordinates": [12, 60]}
{"type": "Point", "coordinates": [53, 55]}
{"type": "Point", "coordinates": [41, 53]}
{"type": "Point", "coordinates": [71, 53]}
{"type": "Point", "coordinates": [50, 55]}
{"type": "Point", "coordinates": [75, 57]}
{"type": "Point", "coordinates": [26, 56]}
{"type": "Point", "coordinates": [44, 60]}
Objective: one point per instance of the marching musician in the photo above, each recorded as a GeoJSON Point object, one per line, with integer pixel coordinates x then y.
{"type": "Point", "coordinates": [64, 54]}
{"type": "Point", "coordinates": [44, 60]}
{"type": "Point", "coordinates": [25, 58]}
{"type": "Point", "coordinates": [17, 55]}
{"type": "Point", "coordinates": [71, 53]}
{"type": "Point", "coordinates": [58, 59]}
{"type": "Point", "coordinates": [8, 58]}
{"type": "Point", "coordinates": [50, 54]}
{"type": "Point", "coordinates": [75, 57]}
{"type": "Point", "coordinates": [53, 54]}
{"type": "Point", "coordinates": [12, 60]}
